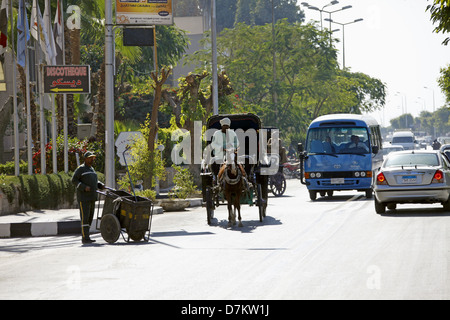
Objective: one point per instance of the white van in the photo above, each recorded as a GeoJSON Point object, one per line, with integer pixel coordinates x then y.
{"type": "Point", "coordinates": [405, 139]}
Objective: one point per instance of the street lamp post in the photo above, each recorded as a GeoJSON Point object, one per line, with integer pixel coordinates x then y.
{"type": "Point", "coordinates": [343, 35]}
{"type": "Point", "coordinates": [332, 3]}
{"type": "Point", "coordinates": [434, 108]}
{"type": "Point", "coordinates": [215, 85]}
{"type": "Point", "coordinates": [274, 67]}
{"type": "Point", "coordinates": [434, 102]}
{"type": "Point", "coordinates": [109, 95]}
{"type": "Point", "coordinates": [404, 107]}
{"type": "Point", "coordinates": [323, 10]}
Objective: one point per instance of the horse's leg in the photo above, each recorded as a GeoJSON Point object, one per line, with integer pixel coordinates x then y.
{"type": "Point", "coordinates": [238, 206]}
{"type": "Point", "coordinates": [230, 217]}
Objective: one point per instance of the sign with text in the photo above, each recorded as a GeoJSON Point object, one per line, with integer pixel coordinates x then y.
{"type": "Point", "coordinates": [144, 12]}
{"type": "Point", "coordinates": [67, 79]}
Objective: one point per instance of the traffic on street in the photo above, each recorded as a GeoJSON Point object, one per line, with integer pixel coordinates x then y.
{"type": "Point", "coordinates": [229, 151]}
{"type": "Point", "coordinates": [332, 248]}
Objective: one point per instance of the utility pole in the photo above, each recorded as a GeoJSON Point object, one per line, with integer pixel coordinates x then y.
{"type": "Point", "coordinates": [215, 86]}
{"type": "Point", "coordinates": [274, 65]}
{"type": "Point", "coordinates": [109, 97]}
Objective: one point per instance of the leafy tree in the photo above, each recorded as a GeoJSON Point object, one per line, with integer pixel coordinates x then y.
{"type": "Point", "coordinates": [244, 12]}
{"type": "Point", "coordinates": [444, 82]}
{"type": "Point", "coordinates": [309, 82]}
{"type": "Point", "coordinates": [226, 12]}
{"type": "Point", "coordinates": [187, 8]}
{"type": "Point", "coordinates": [259, 12]}
{"type": "Point", "coordinates": [283, 9]}
{"type": "Point", "coordinates": [441, 120]}
{"type": "Point", "coordinates": [440, 15]}
{"type": "Point", "coordinates": [405, 121]}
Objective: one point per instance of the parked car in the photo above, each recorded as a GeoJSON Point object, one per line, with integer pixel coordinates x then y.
{"type": "Point", "coordinates": [413, 176]}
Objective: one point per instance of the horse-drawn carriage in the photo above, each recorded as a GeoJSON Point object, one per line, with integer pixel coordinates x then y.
{"type": "Point", "coordinates": [248, 187]}
{"type": "Point", "coordinates": [277, 181]}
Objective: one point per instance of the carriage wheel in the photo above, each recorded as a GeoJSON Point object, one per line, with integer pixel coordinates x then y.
{"type": "Point", "coordinates": [110, 228]}
{"type": "Point", "coordinates": [278, 184]}
{"type": "Point", "coordinates": [261, 206]}
{"type": "Point", "coordinates": [209, 205]}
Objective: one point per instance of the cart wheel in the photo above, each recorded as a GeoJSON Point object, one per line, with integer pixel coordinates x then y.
{"type": "Point", "coordinates": [136, 235]}
{"type": "Point", "coordinates": [110, 228]}
{"type": "Point", "coordinates": [278, 184]}
{"type": "Point", "coordinates": [209, 205]}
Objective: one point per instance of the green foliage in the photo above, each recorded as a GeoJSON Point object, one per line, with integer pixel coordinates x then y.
{"type": "Point", "coordinates": [148, 193]}
{"type": "Point", "coordinates": [143, 162]}
{"type": "Point", "coordinates": [440, 15]}
{"type": "Point", "coordinates": [8, 168]}
{"type": "Point", "coordinates": [41, 191]}
{"type": "Point", "coordinates": [444, 82]}
{"type": "Point", "coordinates": [165, 139]}
{"type": "Point", "coordinates": [184, 183]}
{"type": "Point", "coordinates": [308, 82]}
{"type": "Point", "coordinates": [434, 123]}
{"type": "Point", "coordinates": [75, 146]}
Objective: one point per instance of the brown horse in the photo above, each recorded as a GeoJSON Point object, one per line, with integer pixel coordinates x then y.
{"type": "Point", "coordinates": [233, 177]}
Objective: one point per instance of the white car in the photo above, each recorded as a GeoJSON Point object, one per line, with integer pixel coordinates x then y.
{"type": "Point", "coordinates": [412, 177]}
{"type": "Point", "coordinates": [391, 148]}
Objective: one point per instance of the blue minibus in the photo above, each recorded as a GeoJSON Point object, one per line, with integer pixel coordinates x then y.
{"type": "Point", "coordinates": [341, 153]}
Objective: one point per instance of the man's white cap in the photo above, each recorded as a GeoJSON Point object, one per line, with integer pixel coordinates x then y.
{"type": "Point", "coordinates": [225, 122]}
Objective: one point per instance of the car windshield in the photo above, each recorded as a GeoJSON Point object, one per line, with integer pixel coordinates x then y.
{"type": "Point", "coordinates": [402, 140]}
{"type": "Point", "coordinates": [337, 140]}
{"type": "Point", "coordinates": [412, 160]}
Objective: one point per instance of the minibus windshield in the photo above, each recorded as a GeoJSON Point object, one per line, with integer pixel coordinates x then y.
{"type": "Point", "coordinates": [338, 140]}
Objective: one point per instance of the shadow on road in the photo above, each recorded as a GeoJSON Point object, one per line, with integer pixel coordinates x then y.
{"type": "Point", "coordinates": [249, 225]}
{"type": "Point", "coordinates": [416, 213]}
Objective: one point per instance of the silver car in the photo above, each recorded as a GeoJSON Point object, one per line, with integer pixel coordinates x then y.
{"type": "Point", "coordinates": [412, 177]}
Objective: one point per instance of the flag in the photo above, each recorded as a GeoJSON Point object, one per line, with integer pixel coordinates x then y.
{"type": "Point", "coordinates": [23, 34]}
{"type": "Point", "coordinates": [48, 27]}
{"type": "Point", "coordinates": [3, 27]}
{"type": "Point", "coordinates": [58, 32]}
{"type": "Point", "coordinates": [36, 20]}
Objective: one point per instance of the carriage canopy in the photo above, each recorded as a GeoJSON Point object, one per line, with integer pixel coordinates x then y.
{"type": "Point", "coordinates": [243, 121]}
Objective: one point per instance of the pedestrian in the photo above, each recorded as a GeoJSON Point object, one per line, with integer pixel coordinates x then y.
{"type": "Point", "coordinates": [436, 145]}
{"type": "Point", "coordinates": [86, 181]}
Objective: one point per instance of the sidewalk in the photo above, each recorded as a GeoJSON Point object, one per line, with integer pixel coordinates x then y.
{"type": "Point", "coordinates": [41, 223]}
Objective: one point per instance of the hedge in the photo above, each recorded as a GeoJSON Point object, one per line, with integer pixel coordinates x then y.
{"type": "Point", "coordinates": [41, 191]}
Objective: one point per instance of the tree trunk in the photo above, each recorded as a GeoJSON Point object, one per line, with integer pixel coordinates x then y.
{"type": "Point", "coordinates": [159, 79]}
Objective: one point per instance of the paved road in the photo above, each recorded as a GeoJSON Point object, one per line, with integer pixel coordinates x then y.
{"type": "Point", "coordinates": [335, 248]}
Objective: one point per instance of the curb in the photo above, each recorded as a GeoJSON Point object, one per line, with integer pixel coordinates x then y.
{"type": "Point", "coordinates": [57, 228]}
{"type": "Point", "coordinates": [40, 229]}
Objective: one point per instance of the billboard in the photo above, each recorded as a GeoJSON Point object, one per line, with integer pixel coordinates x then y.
{"type": "Point", "coordinates": [144, 12]}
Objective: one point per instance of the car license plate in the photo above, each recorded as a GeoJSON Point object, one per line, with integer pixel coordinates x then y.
{"type": "Point", "coordinates": [337, 181]}
{"type": "Point", "coordinates": [409, 179]}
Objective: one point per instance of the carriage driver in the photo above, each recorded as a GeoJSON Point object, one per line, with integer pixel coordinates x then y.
{"type": "Point", "coordinates": [222, 141]}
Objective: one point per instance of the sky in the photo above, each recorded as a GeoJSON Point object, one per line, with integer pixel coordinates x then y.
{"type": "Point", "coordinates": [395, 43]}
